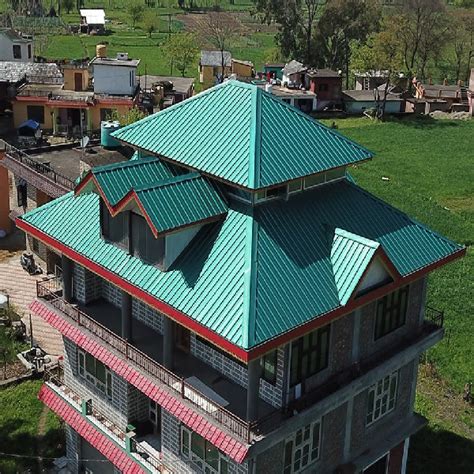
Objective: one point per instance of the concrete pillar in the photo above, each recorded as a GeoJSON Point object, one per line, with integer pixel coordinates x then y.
{"type": "Point", "coordinates": [41, 198]}
{"type": "Point", "coordinates": [126, 316]}
{"type": "Point", "coordinates": [5, 222]}
{"type": "Point", "coordinates": [66, 267]}
{"type": "Point", "coordinates": [253, 386]}
{"type": "Point", "coordinates": [168, 342]}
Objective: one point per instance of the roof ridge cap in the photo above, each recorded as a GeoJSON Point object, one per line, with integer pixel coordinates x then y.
{"type": "Point", "coordinates": [255, 134]}
{"type": "Point", "coordinates": [125, 164]}
{"type": "Point", "coordinates": [356, 237]}
{"type": "Point", "coordinates": [168, 181]}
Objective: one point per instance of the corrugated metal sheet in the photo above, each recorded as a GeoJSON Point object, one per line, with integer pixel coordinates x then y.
{"type": "Point", "coordinates": [181, 201]}
{"type": "Point", "coordinates": [286, 244]}
{"type": "Point", "coordinates": [117, 179]}
{"type": "Point", "coordinates": [350, 256]}
{"type": "Point", "coordinates": [244, 135]}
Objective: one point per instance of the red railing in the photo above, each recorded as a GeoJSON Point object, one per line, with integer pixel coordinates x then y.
{"type": "Point", "coordinates": [50, 290]}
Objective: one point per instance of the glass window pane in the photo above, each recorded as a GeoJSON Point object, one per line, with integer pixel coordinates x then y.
{"type": "Point", "coordinates": [90, 364]}
{"type": "Point", "coordinates": [288, 454]}
{"type": "Point", "coordinates": [100, 371]}
{"type": "Point", "coordinates": [197, 445]}
{"type": "Point", "coordinates": [212, 455]}
{"type": "Point", "coordinates": [185, 442]}
{"type": "Point", "coordinates": [224, 466]}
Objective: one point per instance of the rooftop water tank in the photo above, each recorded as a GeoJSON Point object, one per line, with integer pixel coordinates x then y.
{"type": "Point", "coordinates": [101, 51]}
{"type": "Point", "coordinates": [106, 128]}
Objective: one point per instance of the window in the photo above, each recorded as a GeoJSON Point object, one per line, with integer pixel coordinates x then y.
{"type": "Point", "coordinates": [144, 244]}
{"type": "Point", "coordinates": [335, 174]}
{"type": "Point", "coordinates": [203, 453]}
{"type": "Point", "coordinates": [311, 181]}
{"type": "Point", "coordinates": [114, 229]}
{"type": "Point", "coordinates": [323, 87]}
{"type": "Point", "coordinates": [272, 193]}
{"type": "Point", "coordinates": [381, 398]}
{"type": "Point", "coordinates": [29, 51]}
{"type": "Point", "coordinates": [309, 355]}
{"type": "Point", "coordinates": [35, 112]}
{"type": "Point", "coordinates": [95, 372]}
{"type": "Point", "coordinates": [391, 312]}
{"type": "Point", "coordinates": [105, 114]}
{"type": "Point", "coordinates": [132, 78]}
{"type": "Point", "coordinates": [16, 51]}
{"type": "Point", "coordinates": [302, 448]}
{"type": "Point", "coordinates": [269, 366]}
{"type": "Point", "coordinates": [295, 186]}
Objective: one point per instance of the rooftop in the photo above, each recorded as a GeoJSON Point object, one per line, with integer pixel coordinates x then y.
{"type": "Point", "coordinates": [115, 62]}
{"type": "Point", "coordinates": [233, 132]}
{"type": "Point", "coordinates": [322, 73]}
{"type": "Point", "coordinates": [181, 85]}
{"type": "Point", "coordinates": [94, 16]}
{"type": "Point", "coordinates": [44, 73]}
{"type": "Point", "coordinates": [214, 58]}
{"type": "Point", "coordinates": [15, 36]}
{"type": "Point", "coordinates": [294, 67]}
{"type": "Point", "coordinates": [288, 261]}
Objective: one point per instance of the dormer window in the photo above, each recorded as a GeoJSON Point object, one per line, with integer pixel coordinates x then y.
{"type": "Point", "coordinates": [143, 243]}
{"type": "Point", "coordinates": [114, 229]}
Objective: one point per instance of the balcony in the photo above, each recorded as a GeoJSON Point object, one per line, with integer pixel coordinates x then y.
{"type": "Point", "coordinates": [42, 175]}
{"type": "Point", "coordinates": [136, 448]}
{"type": "Point", "coordinates": [190, 376]}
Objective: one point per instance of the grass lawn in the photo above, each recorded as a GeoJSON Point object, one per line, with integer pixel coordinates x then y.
{"type": "Point", "coordinates": [430, 166]}
{"type": "Point", "coordinates": [27, 428]}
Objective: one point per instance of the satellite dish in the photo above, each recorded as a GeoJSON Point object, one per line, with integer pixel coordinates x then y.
{"type": "Point", "coordinates": [84, 141]}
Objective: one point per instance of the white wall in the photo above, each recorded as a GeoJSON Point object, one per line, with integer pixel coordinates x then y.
{"type": "Point", "coordinates": [391, 107]}
{"type": "Point", "coordinates": [115, 80]}
{"type": "Point", "coordinates": [6, 50]}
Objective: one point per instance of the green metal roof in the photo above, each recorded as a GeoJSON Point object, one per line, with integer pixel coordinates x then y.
{"type": "Point", "coordinates": [262, 271]}
{"type": "Point", "coordinates": [180, 201]}
{"type": "Point", "coordinates": [350, 256]}
{"type": "Point", "coordinates": [117, 179]}
{"type": "Point", "coordinates": [244, 135]}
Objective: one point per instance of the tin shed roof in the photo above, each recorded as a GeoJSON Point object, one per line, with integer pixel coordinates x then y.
{"type": "Point", "coordinates": [261, 271]}
{"type": "Point", "coordinates": [244, 135]}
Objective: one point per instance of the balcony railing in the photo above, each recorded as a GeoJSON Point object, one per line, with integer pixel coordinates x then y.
{"type": "Point", "coordinates": [50, 290]}
{"type": "Point", "coordinates": [137, 448]}
{"type": "Point", "coordinates": [434, 317]}
{"type": "Point", "coordinates": [39, 168]}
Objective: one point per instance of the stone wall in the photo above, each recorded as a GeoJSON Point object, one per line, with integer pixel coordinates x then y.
{"type": "Point", "coordinates": [73, 448]}
{"type": "Point", "coordinates": [87, 286]}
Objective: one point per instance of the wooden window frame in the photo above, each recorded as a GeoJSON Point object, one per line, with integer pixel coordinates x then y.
{"type": "Point", "coordinates": [391, 312]}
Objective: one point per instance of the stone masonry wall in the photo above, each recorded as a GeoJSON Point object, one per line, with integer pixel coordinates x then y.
{"type": "Point", "coordinates": [367, 344]}
{"type": "Point", "coordinates": [171, 449]}
{"type": "Point", "coordinates": [87, 286]}
{"type": "Point", "coordinates": [73, 449]}
{"type": "Point", "coordinates": [238, 373]}
{"type": "Point", "coordinates": [363, 436]}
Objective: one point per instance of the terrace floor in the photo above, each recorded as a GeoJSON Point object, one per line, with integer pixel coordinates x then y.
{"type": "Point", "coordinates": [186, 365]}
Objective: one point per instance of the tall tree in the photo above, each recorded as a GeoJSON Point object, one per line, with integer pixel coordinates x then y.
{"type": "Point", "coordinates": [343, 23]}
{"type": "Point", "coordinates": [218, 29]}
{"type": "Point", "coordinates": [135, 10]}
{"type": "Point", "coordinates": [182, 51]}
{"type": "Point", "coordinates": [461, 32]}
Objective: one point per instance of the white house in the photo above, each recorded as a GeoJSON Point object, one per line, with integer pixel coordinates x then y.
{"type": "Point", "coordinates": [115, 76]}
{"type": "Point", "coordinates": [92, 19]}
{"type": "Point", "coordinates": [15, 47]}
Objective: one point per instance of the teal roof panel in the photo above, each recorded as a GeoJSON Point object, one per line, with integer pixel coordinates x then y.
{"type": "Point", "coordinates": [181, 201]}
{"type": "Point", "coordinates": [244, 135]}
{"type": "Point", "coordinates": [258, 272]}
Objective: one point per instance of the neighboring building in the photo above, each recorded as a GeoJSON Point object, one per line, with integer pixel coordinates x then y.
{"type": "Point", "coordinates": [210, 66]}
{"type": "Point", "coordinates": [358, 101]}
{"type": "Point", "coordinates": [293, 74]}
{"type": "Point", "coordinates": [443, 96]}
{"type": "Point", "coordinates": [15, 46]}
{"type": "Point", "coordinates": [92, 20]}
{"type": "Point", "coordinates": [369, 80]}
{"type": "Point", "coordinates": [273, 71]}
{"type": "Point", "coordinates": [242, 69]}
{"type": "Point", "coordinates": [166, 90]}
{"type": "Point", "coordinates": [236, 305]}
{"type": "Point", "coordinates": [15, 74]}
{"type": "Point", "coordinates": [77, 107]}
{"type": "Point", "coordinates": [327, 85]}
{"type": "Point", "coordinates": [302, 99]}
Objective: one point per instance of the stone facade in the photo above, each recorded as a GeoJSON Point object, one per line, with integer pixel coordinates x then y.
{"type": "Point", "coordinates": [73, 448]}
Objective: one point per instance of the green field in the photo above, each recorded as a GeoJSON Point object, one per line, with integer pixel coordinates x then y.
{"type": "Point", "coordinates": [430, 166]}
{"type": "Point", "coordinates": [27, 429]}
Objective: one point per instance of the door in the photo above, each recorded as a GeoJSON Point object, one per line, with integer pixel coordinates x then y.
{"type": "Point", "coordinates": [77, 81]}
{"type": "Point", "coordinates": [182, 338]}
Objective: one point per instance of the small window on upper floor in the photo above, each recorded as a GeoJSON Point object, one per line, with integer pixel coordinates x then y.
{"type": "Point", "coordinates": [114, 229]}
{"type": "Point", "coordinates": [269, 366]}
{"type": "Point", "coordinates": [382, 397]}
{"type": "Point", "coordinates": [295, 186]}
{"type": "Point", "coordinates": [144, 244]}
{"type": "Point", "coordinates": [391, 312]}
{"type": "Point", "coordinates": [272, 193]}
{"type": "Point", "coordinates": [314, 180]}
{"type": "Point", "coordinates": [302, 448]}
{"type": "Point", "coordinates": [16, 51]}
{"type": "Point", "coordinates": [95, 372]}
{"type": "Point", "coordinates": [29, 51]}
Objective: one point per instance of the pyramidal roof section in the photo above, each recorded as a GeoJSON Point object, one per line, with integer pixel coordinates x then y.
{"type": "Point", "coordinates": [241, 134]}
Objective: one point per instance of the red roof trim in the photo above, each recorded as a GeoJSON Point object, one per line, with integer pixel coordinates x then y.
{"type": "Point", "coordinates": [222, 343]}
{"type": "Point", "coordinates": [196, 422]}
{"type": "Point", "coordinates": [115, 454]}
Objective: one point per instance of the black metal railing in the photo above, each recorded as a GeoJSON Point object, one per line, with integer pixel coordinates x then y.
{"type": "Point", "coordinates": [42, 169]}
{"type": "Point", "coordinates": [434, 316]}
{"type": "Point", "coordinates": [50, 290]}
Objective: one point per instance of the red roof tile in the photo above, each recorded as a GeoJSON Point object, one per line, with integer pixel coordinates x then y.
{"type": "Point", "coordinates": [172, 404]}
{"type": "Point", "coordinates": [102, 443]}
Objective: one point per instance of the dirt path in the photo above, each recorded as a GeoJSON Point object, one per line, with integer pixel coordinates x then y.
{"type": "Point", "coordinates": [40, 435]}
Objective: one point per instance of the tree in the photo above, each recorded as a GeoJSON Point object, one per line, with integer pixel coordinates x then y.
{"type": "Point", "coordinates": [218, 29]}
{"type": "Point", "coordinates": [461, 32]}
{"type": "Point", "coordinates": [135, 11]}
{"type": "Point", "coordinates": [381, 52]}
{"type": "Point", "coordinates": [150, 25]}
{"type": "Point", "coordinates": [68, 5]}
{"type": "Point", "coordinates": [130, 116]}
{"type": "Point", "coordinates": [182, 51]}
{"type": "Point", "coordinates": [343, 24]}
{"type": "Point", "coordinates": [297, 21]}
